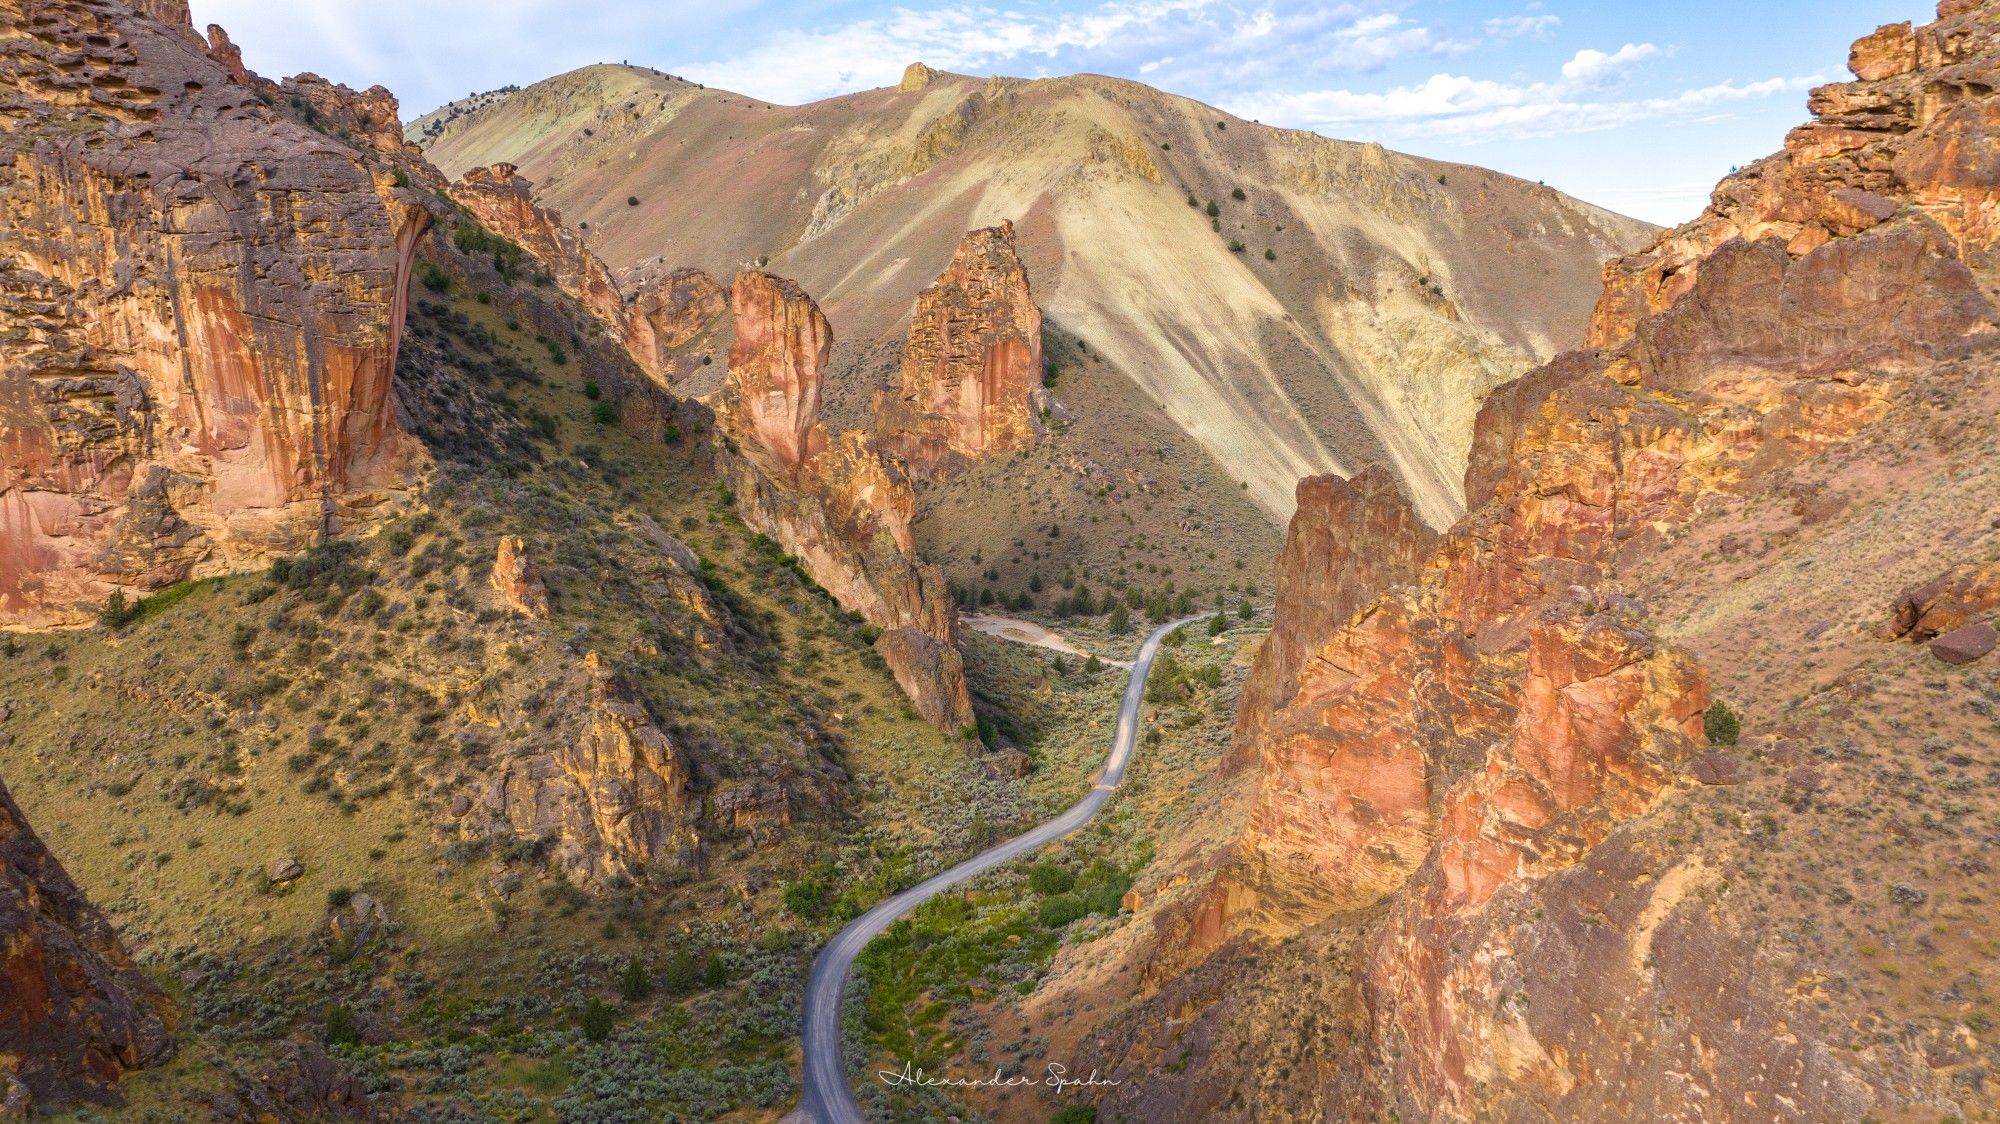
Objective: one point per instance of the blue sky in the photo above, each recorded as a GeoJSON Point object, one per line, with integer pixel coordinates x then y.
{"type": "Point", "coordinates": [1635, 106]}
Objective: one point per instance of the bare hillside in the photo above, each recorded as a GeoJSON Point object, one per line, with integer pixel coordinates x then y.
{"type": "Point", "coordinates": [1373, 300]}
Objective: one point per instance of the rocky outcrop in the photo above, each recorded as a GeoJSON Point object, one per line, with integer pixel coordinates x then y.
{"type": "Point", "coordinates": [1960, 596]}
{"type": "Point", "coordinates": [202, 308]}
{"type": "Point", "coordinates": [777, 369]}
{"type": "Point", "coordinates": [677, 309]}
{"type": "Point", "coordinates": [504, 203]}
{"type": "Point", "coordinates": [75, 1012]}
{"type": "Point", "coordinates": [615, 797]}
{"type": "Point", "coordinates": [1462, 751]}
{"type": "Point", "coordinates": [517, 580]}
{"type": "Point", "coordinates": [972, 364]}
{"type": "Point", "coordinates": [838, 507]}
{"type": "Point", "coordinates": [1349, 542]}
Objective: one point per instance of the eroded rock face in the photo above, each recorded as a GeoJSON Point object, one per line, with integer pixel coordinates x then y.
{"type": "Point", "coordinates": [777, 368]}
{"type": "Point", "coordinates": [517, 580]}
{"type": "Point", "coordinates": [1960, 596]}
{"type": "Point", "coordinates": [678, 308]}
{"type": "Point", "coordinates": [75, 1012]}
{"type": "Point", "coordinates": [504, 203]}
{"type": "Point", "coordinates": [616, 798]}
{"type": "Point", "coordinates": [203, 304]}
{"type": "Point", "coordinates": [972, 363]}
{"type": "Point", "coordinates": [840, 507]}
{"type": "Point", "coordinates": [1462, 751]}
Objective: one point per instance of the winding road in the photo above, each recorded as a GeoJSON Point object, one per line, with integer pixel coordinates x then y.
{"type": "Point", "coordinates": [827, 1098]}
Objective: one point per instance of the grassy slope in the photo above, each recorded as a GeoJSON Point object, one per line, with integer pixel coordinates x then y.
{"type": "Point", "coordinates": [334, 717]}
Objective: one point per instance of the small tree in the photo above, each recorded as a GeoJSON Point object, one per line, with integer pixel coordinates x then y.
{"type": "Point", "coordinates": [1121, 620]}
{"type": "Point", "coordinates": [596, 1019]}
{"type": "Point", "coordinates": [1721, 724]}
{"type": "Point", "coordinates": [636, 983]}
{"type": "Point", "coordinates": [683, 972]}
{"type": "Point", "coordinates": [714, 971]}
{"type": "Point", "coordinates": [1093, 665]}
{"type": "Point", "coordinates": [1218, 624]}
{"type": "Point", "coordinates": [1244, 611]}
{"type": "Point", "coordinates": [341, 1029]}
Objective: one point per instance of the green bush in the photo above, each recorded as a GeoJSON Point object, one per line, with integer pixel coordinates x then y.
{"type": "Point", "coordinates": [805, 899]}
{"type": "Point", "coordinates": [596, 1019]}
{"type": "Point", "coordinates": [434, 278]}
{"type": "Point", "coordinates": [1059, 910]}
{"type": "Point", "coordinates": [1048, 878]}
{"type": "Point", "coordinates": [1237, 194]}
{"type": "Point", "coordinates": [341, 1029]}
{"type": "Point", "coordinates": [1076, 1114]}
{"type": "Point", "coordinates": [635, 983]}
{"type": "Point", "coordinates": [118, 612]}
{"type": "Point", "coordinates": [683, 974]}
{"type": "Point", "coordinates": [1212, 210]}
{"type": "Point", "coordinates": [604, 413]}
{"type": "Point", "coordinates": [1721, 724]}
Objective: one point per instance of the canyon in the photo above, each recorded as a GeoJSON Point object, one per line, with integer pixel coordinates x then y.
{"type": "Point", "coordinates": [482, 606]}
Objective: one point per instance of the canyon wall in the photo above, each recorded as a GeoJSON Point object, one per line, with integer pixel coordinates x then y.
{"type": "Point", "coordinates": [202, 302]}
{"type": "Point", "coordinates": [1462, 765]}
{"type": "Point", "coordinates": [837, 506]}
{"type": "Point", "coordinates": [972, 363]}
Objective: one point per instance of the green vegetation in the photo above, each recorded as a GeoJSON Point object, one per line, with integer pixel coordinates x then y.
{"type": "Point", "coordinates": [1721, 724]}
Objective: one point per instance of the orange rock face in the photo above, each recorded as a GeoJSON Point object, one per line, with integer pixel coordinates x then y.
{"type": "Point", "coordinates": [78, 1012]}
{"type": "Point", "coordinates": [504, 204]}
{"type": "Point", "coordinates": [1962, 595]}
{"type": "Point", "coordinates": [203, 304]}
{"type": "Point", "coordinates": [841, 509]}
{"type": "Point", "coordinates": [517, 581]}
{"type": "Point", "coordinates": [972, 364]}
{"type": "Point", "coordinates": [677, 309]}
{"type": "Point", "coordinates": [777, 368]}
{"type": "Point", "coordinates": [1465, 747]}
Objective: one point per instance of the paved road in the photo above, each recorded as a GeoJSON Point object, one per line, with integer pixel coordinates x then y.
{"type": "Point", "coordinates": [827, 1098]}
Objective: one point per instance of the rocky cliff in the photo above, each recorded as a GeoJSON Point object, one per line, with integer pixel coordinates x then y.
{"type": "Point", "coordinates": [838, 507]}
{"type": "Point", "coordinates": [1491, 779]}
{"type": "Point", "coordinates": [972, 363]}
{"type": "Point", "coordinates": [75, 1012]}
{"type": "Point", "coordinates": [203, 304]}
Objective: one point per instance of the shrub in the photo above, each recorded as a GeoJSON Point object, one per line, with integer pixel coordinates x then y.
{"type": "Point", "coordinates": [805, 899]}
{"type": "Point", "coordinates": [1059, 910]}
{"type": "Point", "coordinates": [341, 1029]}
{"type": "Point", "coordinates": [596, 1019]}
{"type": "Point", "coordinates": [1235, 247]}
{"type": "Point", "coordinates": [339, 897]}
{"type": "Point", "coordinates": [1048, 878]}
{"type": "Point", "coordinates": [1076, 1114]}
{"type": "Point", "coordinates": [635, 983]}
{"type": "Point", "coordinates": [1270, 255]}
{"type": "Point", "coordinates": [434, 278]}
{"type": "Point", "coordinates": [1721, 724]}
{"type": "Point", "coordinates": [1121, 620]}
{"type": "Point", "coordinates": [714, 971]}
{"type": "Point", "coordinates": [631, 200]}
{"type": "Point", "coordinates": [1237, 195]}
{"type": "Point", "coordinates": [1218, 624]}
{"type": "Point", "coordinates": [118, 612]}
{"type": "Point", "coordinates": [1212, 210]}
{"type": "Point", "coordinates": [604, 413]}
{"type": "Point", "coordinates": [683, 974]}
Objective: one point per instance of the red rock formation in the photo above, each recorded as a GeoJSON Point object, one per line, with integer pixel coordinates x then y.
{"type": "Point", "coordinates": [185, 390]}
{"type": "Point", "coordinates": [75, 1012]}
{"type": "Point", "coordinates": [1349, 542]}
{"type": "Point", "coordinates": [972, 364]}
{"type": "Point", "coordinates": [517, 581]}
{"type": "Point", "coordinates": [677, 308]}
{"type": "Point", "coordinates": [1467, 747]}
{"type": "Point", "coordinates": [843, 510]}
{"type": "Point", "coordinates": [777, 368]}
{"type": "Point", "coordinates": [1952, 600]}
{"type": "Point", "coordinates": [228, 54]}
{"type": "Point", "coordinates": [503, 202]}
{"type": "Point", "coordinates": [369, 117]}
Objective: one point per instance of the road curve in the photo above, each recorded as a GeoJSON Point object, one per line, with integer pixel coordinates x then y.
{"type": "Point", "coordinates": [827, 1098]}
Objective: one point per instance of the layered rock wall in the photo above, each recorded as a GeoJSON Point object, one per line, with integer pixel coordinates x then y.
{"type": "Point", "coordinates": [972, 364]}
{"type": "Point", "coordinates": [202, 305]}
{"type": "Point", "coordinates": [838, 506]}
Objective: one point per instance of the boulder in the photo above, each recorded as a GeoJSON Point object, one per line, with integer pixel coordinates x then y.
{"type": "Point", "coordinates": [1964, 644]}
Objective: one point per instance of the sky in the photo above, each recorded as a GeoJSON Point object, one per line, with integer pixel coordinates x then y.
{"type": "Point", "coordinates": [1635, 106]}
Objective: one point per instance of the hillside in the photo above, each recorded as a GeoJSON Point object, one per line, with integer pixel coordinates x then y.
{"type": "Point", "coordinates": [1371, 299]}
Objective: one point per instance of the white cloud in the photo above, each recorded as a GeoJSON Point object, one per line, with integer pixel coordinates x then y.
{"type": "Point", "coordinates": [1595, 66]}
{"type": "Point", "coordinates": [1474, 109]}
{"type": "Point", "coordinates": [1515, 27]}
